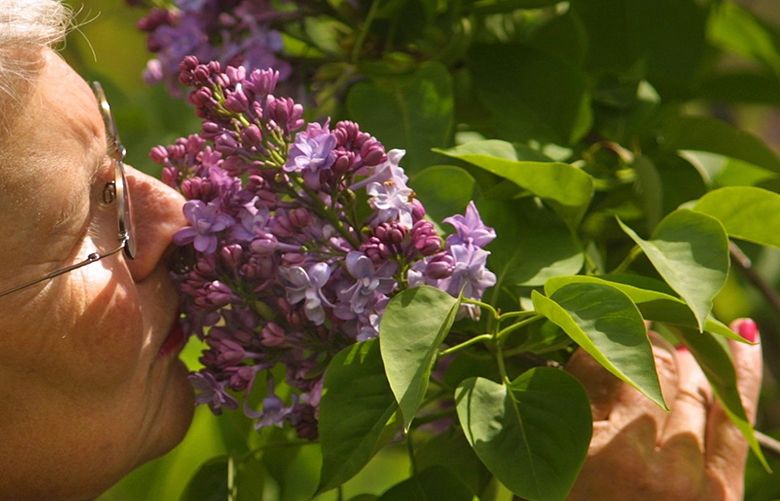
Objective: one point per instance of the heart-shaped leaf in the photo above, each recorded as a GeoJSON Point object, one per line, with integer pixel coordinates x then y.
{"type": "Point", "coordinates": [532, 434]}
{"type": "Point", "coordinates": [413, 326]}
{"type": "Point", "coordinates": [606, 324]}
{"type": "Point", "coordinates": [357, 412]}
{"type": "Point", "coordinates": [690, 251]}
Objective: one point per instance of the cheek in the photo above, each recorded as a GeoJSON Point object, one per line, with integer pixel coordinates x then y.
{"type": "Point", "coordinates": [109, 335]}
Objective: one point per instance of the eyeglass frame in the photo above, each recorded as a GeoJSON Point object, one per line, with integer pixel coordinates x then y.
{"type": "Point", "coordinates": [114, 191]}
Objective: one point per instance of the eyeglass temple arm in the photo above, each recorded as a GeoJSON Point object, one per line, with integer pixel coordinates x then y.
{"type": "Point", "coordinates": [91, 258]}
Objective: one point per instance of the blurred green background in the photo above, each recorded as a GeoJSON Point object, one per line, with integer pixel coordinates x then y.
{"type": "Point", "coordinates": [107, 47]}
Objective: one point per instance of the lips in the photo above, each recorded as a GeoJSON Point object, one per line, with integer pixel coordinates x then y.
{"type": "Point", "coordinates": [174, 341]}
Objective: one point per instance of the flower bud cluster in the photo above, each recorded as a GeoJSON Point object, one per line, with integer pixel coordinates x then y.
{"type": "Point", "coordinates": [234, 32]}
{"type": "Point", "coordinates": [301, 233]}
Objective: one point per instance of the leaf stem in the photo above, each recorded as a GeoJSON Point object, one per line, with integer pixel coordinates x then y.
{"type": "Point", "coordinates": [745, 266]}
{"type": "Point", "coordinates": [515, 314]}
{"type": "Point", "coordinates": [503, 333]}
{"type": "Point", "coordinates": [632, 255]}
{"type": "Point", "coordinates": [486, 306]}
{"type": "Point", "coordinates": [477, 339]}
{"type": "Point", "coordinates": [410, 449]}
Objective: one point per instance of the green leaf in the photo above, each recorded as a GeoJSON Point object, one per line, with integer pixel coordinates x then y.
{"type": "Point", "coordinates": [413, 326]}
{"type": "Point", "coordinates": [606, 324]}
{"type": "Point", "coordinates": [625, 38]}
{"type": "Point", "coordinates": [534, 243]}
{"type": "Point", "coordinates": [567, 187]}
{"type": "Point", "coordinates": [446, 190]}
{"type": "Point", "coordinates": [532, 434]}
{"type": "Point", "coordinates": [715, 360]}
{"type": "Point", "coordinates": [690, 251]}
{"type": "Point", "coordinates": [210, 482]}
{"type": "Point", "coordinates": [742, 87]}
{"type": "Point", "coordinates": [650, 187]}
{"type": "Point", "coordinates": [653, 305]}
{"type": "Point", "coordinates": [451, 450]}
{"type": "Point", "coordinates": [747, 213]}
{"type": "Point", "coordinates": [715, 136]}
{"type": "Point", "coordinates": [551, 107]}
{"type": "Point", "coordinates": [735, 29]}
{"type": "Point", "coordinates": [357, 412]}
{"type": "Point", "coordinates": [414, 113]}
{"type": "Point", "coordinates": [431, 484]}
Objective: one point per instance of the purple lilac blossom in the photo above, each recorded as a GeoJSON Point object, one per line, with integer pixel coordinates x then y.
{"type": "Point", "coordinates": [235, 33]}
{"type": "Point", "coordinates": [282, 269]}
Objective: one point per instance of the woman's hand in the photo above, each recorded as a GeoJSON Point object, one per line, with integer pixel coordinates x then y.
{"type": "Point", "coordinates": [640, 452]}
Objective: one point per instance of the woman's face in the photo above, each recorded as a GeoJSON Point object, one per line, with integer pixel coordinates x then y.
{"type": "Point", "coordinates": [87, 392]}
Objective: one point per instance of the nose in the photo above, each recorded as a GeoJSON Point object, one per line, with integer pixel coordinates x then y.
{"type": "Point", "coordinates": [157, 215]}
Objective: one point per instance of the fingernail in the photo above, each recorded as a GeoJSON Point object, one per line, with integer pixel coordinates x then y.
{"type": "Point", "coordinates": [748, 329]}
{"type": "Point", "coordinates": [681, 348]}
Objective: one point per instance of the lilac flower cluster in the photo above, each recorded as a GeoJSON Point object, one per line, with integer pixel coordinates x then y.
{"type": "Point", "coordinates": [234, 32]}
{"type": "Point", "coordinates": [301, 235]}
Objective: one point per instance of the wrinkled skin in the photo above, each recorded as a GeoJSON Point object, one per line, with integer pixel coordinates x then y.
{"type": "Point", "coordinates": [641, 452]}
{"type": "Point", "coordinates": [86, 395]}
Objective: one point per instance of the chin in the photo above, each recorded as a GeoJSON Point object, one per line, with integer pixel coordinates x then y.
{"type": "Point", "coordinates": [175, 415]}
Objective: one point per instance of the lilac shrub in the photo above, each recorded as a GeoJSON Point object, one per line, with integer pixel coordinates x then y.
{"type": "Point", "coordinates": [301, 232]}
{"type": "Point", "coordinates": [234, 32]}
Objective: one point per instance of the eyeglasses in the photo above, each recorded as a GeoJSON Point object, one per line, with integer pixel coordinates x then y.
{"type": "Point", "coordinates": [114, 191]}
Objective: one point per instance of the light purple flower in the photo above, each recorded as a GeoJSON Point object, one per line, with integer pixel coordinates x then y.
{"type": "Point", "coordinates": [369, 283]}
{"type": "Point", "coordinates": [205, 222]}
{"type": "Point", "coordinates": [312, 150]}
{"type": "Point", "coordinates": [470, 273]}
{"type": "Point", "coordinates": [469, 228]}
{"type": "Point", "coordinates": [392, 201]}
{"type": "Point", "coordinates": [306, 285]}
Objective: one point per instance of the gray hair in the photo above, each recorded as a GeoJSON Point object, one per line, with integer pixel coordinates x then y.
{"type": "Point", "coordinates": [27, 27]}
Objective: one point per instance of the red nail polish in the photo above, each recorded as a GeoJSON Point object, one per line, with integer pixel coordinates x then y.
{"type": "Point", "coordinates": [681, 348]}
{"type": "Point", "coordinates": [748, 329]}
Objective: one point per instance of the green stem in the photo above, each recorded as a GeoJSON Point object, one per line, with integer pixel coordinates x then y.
{"type": "Point", "coordinates": [364, 31]}
{"type": "Point", "coordinates": [323, 212]}
{"type": "Point", "coordinates": [410, 448]}
{"type": "Point", "coordinates": [503, 333]}
{"type": "Point", "coordinates": [501, 366]}
{"type": "Point", "coordinates": [478, 339]}
{"type": "Point", "coordinates": [632, 255]}
{"type": "Point", "coordinates": [434, 416]}
{"type": "Point", "coordinates": [486, 306]}
{"type": "Point", "coordinates": [340, 492]}
{"type": "Point", "coordinates": [515, 314]}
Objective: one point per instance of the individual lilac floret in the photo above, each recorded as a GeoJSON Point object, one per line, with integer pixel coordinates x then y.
{"type": "Point", "coordinates": [206, 221]}
{"type": "Point", "coordinates": [470, 273]}
{"type": "Point", "coordinates": [391, 199]}
{"type": "Point", "coordinates": [306, 285]}
{"type": "Point", "coordinates": [469, 228]}
{"type": "Point", "coordinates": [311, 152]}
{"type": "Point", "coordinates": [368, 283]}
{"type": "Point", "coordinates": [209, 391]}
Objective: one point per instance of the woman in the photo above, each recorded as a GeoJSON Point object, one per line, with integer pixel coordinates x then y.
{"type": "Point", "coordinates": [90, 383]}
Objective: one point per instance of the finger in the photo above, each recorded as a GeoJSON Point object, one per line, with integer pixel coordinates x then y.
{"type": "Point", "coordinates": [726, 448]}
{"type": "Point", "coordinates": [686, 425]}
